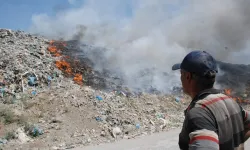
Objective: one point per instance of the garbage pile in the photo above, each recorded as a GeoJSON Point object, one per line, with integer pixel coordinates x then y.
{"type": "Point", "coordinates": [25, 64]}
{"type": "Point", "coordinates": [38, 80]}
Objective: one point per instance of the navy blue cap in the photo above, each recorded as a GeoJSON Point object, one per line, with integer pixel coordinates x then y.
{"type": "Point", "coordinates": [198, 62]}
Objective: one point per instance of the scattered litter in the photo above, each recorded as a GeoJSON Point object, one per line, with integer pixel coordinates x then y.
{"type": "Point", "coordinates": [32, 81]}
{"type": "Point", "coordinates": [120, 93]}
{"type": "Point", "coordinates": [99, 119]}
{"type": "Point", "coordinates": [164, 123]}
{"type": "Point", "coordinates": [152, 122]}
{"type": "Point", "coordinates": [33, 92]}
{"type": "Point", "coordinates": [159, 115]}
{"type": "Point", "coordinates": [49, 79]}
{"type": "Point", "coordinates": [21, 136]}
{"type": "Point", "coordinates": [103, 133]}
{"type": "Point", "coordinates": [2, 91]}
{"type": "Point", "coordinates": [3, 141]}
{"type": "Point", "coordinates": [116, 131]}
{"type": "Point", "coordinates": [177, 99]}
{"type": "Point", "coordinates": [99, 98]}
{"type": "Point", "coordinates": [35, 131]}
{"type": "Point", "coordinates": [89, 140]}
{"type": "Point", "coordinates": [137, 126]}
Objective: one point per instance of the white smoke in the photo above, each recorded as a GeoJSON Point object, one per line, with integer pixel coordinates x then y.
{"type": "Point", "coordinates": [146, 34]}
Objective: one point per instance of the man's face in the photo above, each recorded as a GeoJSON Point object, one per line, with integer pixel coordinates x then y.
{"type": "Point", "coordinates": [185, 80]}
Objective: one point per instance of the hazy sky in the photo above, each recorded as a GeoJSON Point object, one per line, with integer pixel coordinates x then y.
{"type": "Point", "coordinates": [17, 14]}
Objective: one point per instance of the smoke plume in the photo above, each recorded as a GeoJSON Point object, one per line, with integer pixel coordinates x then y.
{"type": "Point", "coordinates": [145, 38]}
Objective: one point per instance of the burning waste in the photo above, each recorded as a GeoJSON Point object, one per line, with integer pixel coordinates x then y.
{"type": "Point", "coordinates": [233, 79]}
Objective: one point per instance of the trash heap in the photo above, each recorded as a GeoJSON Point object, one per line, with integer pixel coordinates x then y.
{"type": "Point", "coordinates": [25, 64]}
{"type": "Point", "coordinates": [42, 79]}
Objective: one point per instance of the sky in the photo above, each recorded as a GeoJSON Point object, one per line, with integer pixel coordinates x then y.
{"type": "Point", "coordinates": [17, 14]}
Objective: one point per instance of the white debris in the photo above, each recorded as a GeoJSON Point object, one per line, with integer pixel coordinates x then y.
{"type": "Point", "coordinates": [21, 136]}
{"type": "Point", "coordinates": [116, 131]}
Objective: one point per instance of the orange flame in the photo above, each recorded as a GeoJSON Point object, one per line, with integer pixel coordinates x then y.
{"type": "Point", "coordinates": [52, 49]}
{"type": "Point", "coordinates": [55, 48]}
{"type": "Point", "coordinates": [78, 79]}
{"type": "Point", "coordinates": [228, 92]}
{"type": "Point", "coordinates": [64, 66]}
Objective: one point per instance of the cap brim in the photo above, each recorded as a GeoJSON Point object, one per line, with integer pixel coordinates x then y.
{"type": "Point", "coordinates": [176, 67]}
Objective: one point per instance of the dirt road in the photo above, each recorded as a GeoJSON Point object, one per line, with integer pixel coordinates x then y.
{"type": "Point", "coordinates": [160, 141]}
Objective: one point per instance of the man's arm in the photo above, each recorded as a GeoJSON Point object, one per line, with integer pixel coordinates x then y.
{"type": "Point", "coordinates": [203, 139]}
{"type": "Point", "coordinates": [203, 129]}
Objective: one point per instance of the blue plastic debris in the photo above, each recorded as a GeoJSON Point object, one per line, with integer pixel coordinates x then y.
{"type": "Point", "coordinates": [177, 99]}
{"type": "Point", "coordinates": [2, 91]}
{"type": "Point", "coordinates": [137, 126]}
{"type": "Point", "coordinates": [32, 81]}
{"type": "Point", "coordinates": [36, 132]}
{"type": "Point", "coordinates": [49, 78]}
{"type": "Point", "coordinates": [99, 98]}
{"type": "Point", "coordinates": [33, 92]}
{"type": "Point", "coordinates": [99, 119]}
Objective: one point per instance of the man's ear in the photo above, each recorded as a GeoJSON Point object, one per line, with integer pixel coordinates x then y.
{"type": "Point", "coordinates": [188, 76]}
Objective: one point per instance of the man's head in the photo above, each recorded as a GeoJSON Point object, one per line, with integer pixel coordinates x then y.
{"type": "Point", "coordinates": [198, 72]}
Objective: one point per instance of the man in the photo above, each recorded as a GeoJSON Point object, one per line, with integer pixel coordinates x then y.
{"type": "Point", "coordinates": [213, 120]}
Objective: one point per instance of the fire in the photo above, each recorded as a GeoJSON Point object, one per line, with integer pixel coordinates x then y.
{"type": "Point", "coordinates": [64, 65]}
{"type": "Point", "coordinates": [52, 49]}
{"type": "Point", "coordinates": [228, 92]}
{"type": "Point", "coordinates": [78, 78]}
